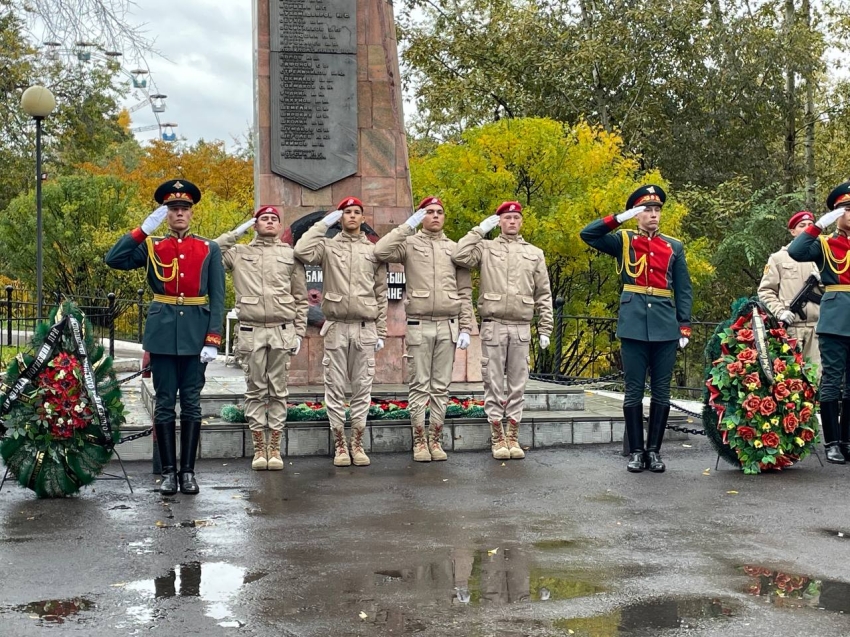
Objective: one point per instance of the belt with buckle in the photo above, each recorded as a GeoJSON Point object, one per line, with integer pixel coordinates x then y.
{"type": "Point", "coordinates": [640, 289]}
{"type": "Point", "coordinates": [180, 300]}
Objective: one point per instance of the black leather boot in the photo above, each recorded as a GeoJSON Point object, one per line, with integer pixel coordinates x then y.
{"type": "Point", "coordinates": [190, 434]}
{"type": "Point", "coordinates": [634, 430]}
{"type": "Point", "coordinates": [829, 424]}
{"type": "Point", "coordinates": [166, 443]}
{"type": "Point", "coordinates": [658, 415]}
{"type": "Point", "coordinates": [844, 422]}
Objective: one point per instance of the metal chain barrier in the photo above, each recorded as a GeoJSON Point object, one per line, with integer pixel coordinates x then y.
{"type": "Point", "coordinates": [149, 430]}
{"type": "Point", "coordinates": [575, 382]}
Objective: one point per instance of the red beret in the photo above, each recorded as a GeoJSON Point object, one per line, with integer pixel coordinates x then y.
{"type": "Point", "coordinates": [267, 210]}
{"type": "Point", "coordinates": [509, 206]}
{"type": "Point", "coordinates": [349, 201]}
{"type": "Point", "coordinates": [429, 201]}
{"type": "Point", "coordinates": [803, 215]}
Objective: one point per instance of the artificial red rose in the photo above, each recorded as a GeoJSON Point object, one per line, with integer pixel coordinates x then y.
{"type": "Point", "coordinates": [780, 391]}
{"type": "Point", "coordinates": [809, 393]}
{"type": "Point", "coordinates": [798, 357]}
{"type": "Point", "coordinates": [746, 433]}
{"type": "Point", "coordinates": [745, 336]}
{"type": "Point", "coordinates": [735, 368]}
{"type": "Point", "coordinates": [805, 414]}
{"type": "Point", "coordinates": [783, 461]}
{"type": "Point", "coordinates": [767, 407]}
{"type": "Point", "coordinates": [770, 439]}
{"type": "Point", "coordinates": [752, 571]}
{"type": "Point", "coordinates": [751, 403]}
{"type": "Point", "coordinates": [742, 320]}
{"type": "Point", "coordinates": [795, 385]}
{"type": "Point", "coordinates": [749, 355]}
{"type": "Point", "coordinates": [779, 365]}
{"type": "Point", "coordinates": [781, 581]}
{"type": "Point", "coordinates": [779, 333]}
{"type": "Point", "coordinates": [752, 379]}
{"type": "Point", "coordinates": [808, 435]}
{"type": "Point", "coordinates": [790, 406]}
{"type": "Point", "coordinates": [790, 423]}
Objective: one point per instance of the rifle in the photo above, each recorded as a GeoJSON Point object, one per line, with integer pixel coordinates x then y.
{"type": "Point", "coordinates": [809, 293]}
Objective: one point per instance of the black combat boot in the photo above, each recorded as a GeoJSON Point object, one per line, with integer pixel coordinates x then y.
{"type": "Point", "coordinates": [658, 415]}
{"type": "Point", "coordinates": [166, 442]}
{"type": "Point", "coordinates": [829, 425]}
{"type": "Point", "coordinates": [190, 434]}
{"type": "Point", "coordinates": [844, 439]}
{"type": "Point", "coordinates": [634, 430]}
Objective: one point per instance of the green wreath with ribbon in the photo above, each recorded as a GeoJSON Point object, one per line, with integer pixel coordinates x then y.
{"type": "Point", "coordinates": [60, 407]}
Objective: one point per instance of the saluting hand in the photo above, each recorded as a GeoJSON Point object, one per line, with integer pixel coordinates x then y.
{"type": "Point", "coordinates": [630, 213]}
{"type": "Point", "coordinates": [332, 217]}
{"type": "Point", "coordinates": [830, 217]}
{"type": "Point", "coordinates": [489, 223]}
{"type": "Point", "coordinates": [244, 228]}
{"type": "Point", "coordinates": [154, 219]}
{"type": "Point", "coordinates": [416, 218]}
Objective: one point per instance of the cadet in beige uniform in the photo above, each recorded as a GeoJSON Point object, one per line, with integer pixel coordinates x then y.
{"type": "Point", "coordinates": [514, 284]}
{"type": "Point", "coordinates": [271, 303]}
{"type": "Point", "coordinates": [439, 317]}
{"type": "Point", "coordinates": [355, 307]}
{"type": "Point", "coordinates": [783, 279]}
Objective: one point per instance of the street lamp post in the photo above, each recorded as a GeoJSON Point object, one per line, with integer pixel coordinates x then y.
{"type": "Point", "coordinates": [38, 102]}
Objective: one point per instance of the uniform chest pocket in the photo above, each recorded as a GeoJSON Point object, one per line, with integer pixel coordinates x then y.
{"type": "Point", "coordinates": [250, 259]}
{"type": "Point", "coordinates": [368, 263]}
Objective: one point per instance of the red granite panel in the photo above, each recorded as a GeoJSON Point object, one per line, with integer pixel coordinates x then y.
{"type": "Point", "coordinates": [473, 360]}
{"type": "Point", "coordinates": [379, 191]}
{"type": "Point", "coordinates": [376, 62]}
{"type": "Point", "coordinates": [348, 187]}
{"type": "Point", "coordinates": [263, 156]}
{"type": "Point", "coordinates": [315, 374]}
{"type": "Point", "coordinates": [377, 154]}
{"type": "Point", "coordinates": [364, 11]}
{"type": "Point", "coordinates": [403, 195]}
{"type": "Point", "coordinates": [388, 362]}
{"type": "Point", "coordinates": [263, 104]}
{"type": "Point", "coordinates": [383, 113]}
{"type": "Point", "coordinates": [364, 105]}
{"type": "Point", "coordinates": [322, 198]}
{"type": "Point", "coordinates": [391, 216]}
{"type": "Point", "coordinates": [362, 63]}
{"type": "Point", "coordinates": [459, 368]}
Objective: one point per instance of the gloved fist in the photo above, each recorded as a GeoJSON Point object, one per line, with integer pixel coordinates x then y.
{"type": "Point", "coordinates": [154, 219]}
{"type": "Point", "coordinates": [462, 340]}
{"type": "Point", "coordinates": [294, 351]}
{"type": "Point", "coordinates": [630, 213]}
{"type": "Point", "coordinates": [787, 317]}
{"type": "Point", "coordinates": [244, 228]}
{"type": "Point", "coordinates": [332, 217]}
{"type": "Point", "coordinates": [416, 218]}
{"type": "Point", "coordinates": [489, 223]}
{"type": "Point", "coordinates": [683, 342]}
{"type": "Point", "coordinates": [544, 341]}
{"type": "Point", "coordinates": [379, 345]}
{"type": "Point", "coordinates": [208, 354]}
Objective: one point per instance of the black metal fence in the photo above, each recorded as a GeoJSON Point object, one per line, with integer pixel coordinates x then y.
{"type": "Point", "coordinates": [111, 317]}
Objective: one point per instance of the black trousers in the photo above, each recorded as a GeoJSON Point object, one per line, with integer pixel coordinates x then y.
{"type": "Point", "coordinates": [640, 357]}
{"type": "Point", "coordinates": [835, 363]}
{"type": "Point", "coordinates": [173, 375]}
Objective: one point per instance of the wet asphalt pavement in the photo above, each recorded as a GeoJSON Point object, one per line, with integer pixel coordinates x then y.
{"type": "Point", "coordinates": [565, 542]}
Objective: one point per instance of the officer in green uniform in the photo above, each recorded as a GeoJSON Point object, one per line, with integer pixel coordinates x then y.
{"type": "Point", "coordinates": [654, 317]}
{"type": "Point", "coordinates": [183, 328]}
{"type": "Point", "coordinates": [831, 253]}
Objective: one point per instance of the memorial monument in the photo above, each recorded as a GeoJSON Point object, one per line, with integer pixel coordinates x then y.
{"type": "Point", "coordinates": [329, 124]}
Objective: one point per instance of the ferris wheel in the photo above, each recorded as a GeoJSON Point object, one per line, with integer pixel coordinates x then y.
{"type": "Point", "coordinates": [141, 83]}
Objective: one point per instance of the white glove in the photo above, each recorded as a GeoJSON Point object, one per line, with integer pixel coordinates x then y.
{"type": "Point", "coordinates": [154, 219]}
{"type": "Point", "coordinates": [489, 223]}
{"type": "Point", "coordinates": [787, 317]}
{"type": "Point", "coordinates": [294, 351]}
{"type": "Point", "coordinates": [208, 354]}
{"type": "Point", "coordinates": [332, 217]}
{"type": "Point", "coordinates": [244, 228]}
{"type": "Point", "coordinates": [544, 341]}
{"type": "Point", "coordinates": [379, 345]}
{"type": "Point", "coordinates": [830, 218]}
{"type": "Point", "coordinates": [683, 342]}
{"type": "Point", "coordinates": [628, 214]}
{"type": "Point", "coordinates": [462, 340]}
{"type": "Point", "coordinates": [416, 218]}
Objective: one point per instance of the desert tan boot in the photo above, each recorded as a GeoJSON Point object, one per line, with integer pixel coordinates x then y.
{"type": "Point", "coordinates": [512, 439]}
{"type": "Point", "coordinates": [435, 442]}
{"type": "Point", "coordinates": [420, 444]}
{"type": "Point", "coordinates": [497, 439]}
{"type": "Point", "coordinates": [341, 457]}
{"type": "Point", "coordinates": [358, 456]}
{"type": "Point", "coordinates": [274, 459]}
{"type": "Point", "coordinates": [259, 463]}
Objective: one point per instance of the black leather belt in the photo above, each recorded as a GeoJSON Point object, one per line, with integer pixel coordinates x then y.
{"type": "Point", "coordinates": [248, 328]}
{"type": "Point", "coordinates": [486, 320]}
{"type": "Point", "coordinates": [413, 322]}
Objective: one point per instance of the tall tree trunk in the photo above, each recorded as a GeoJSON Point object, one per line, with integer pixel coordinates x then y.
{"type": "Point", "coordinates": [790, 102]}
{"type": "Point", "coordinates": [809, 139]}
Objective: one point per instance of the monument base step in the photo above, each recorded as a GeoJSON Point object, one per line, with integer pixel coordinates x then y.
{"type": "Point", "coordinates": [538, 430]}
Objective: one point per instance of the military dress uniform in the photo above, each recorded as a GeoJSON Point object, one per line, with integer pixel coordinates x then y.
{"type": "Point", "coordinates": [655, 312]}
{"type": "Point", "coordinates": [438, 305]}
{"type": "Point", "coordinates": [271, 304]}
{"type": "Point", "coordinates": [514, 285]}
{"type": "Point", "coordinates": [186, 276]}
{"type": "Point", "coordinates": [831, 254]}
{"type": "Point", "coordinates": [354, 302]}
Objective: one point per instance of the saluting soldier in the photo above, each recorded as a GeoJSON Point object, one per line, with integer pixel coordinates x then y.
{"type": "Point", "coordinates": [354, 302]}
{"type": "Point", "coordinates": [271, 303]}
{"type": "Point", "coordinates": [514, 285]}
{"type": "Point", "coordinates": [654, 317]}
{"type": "Point", "coordinates": [782, 280]}
{"type": "Point", "coordinates": [183, 327]}
{"type": "Point", "coordinates": [831, 253]}
{"type": "Point", "coordinates": [439, 317]}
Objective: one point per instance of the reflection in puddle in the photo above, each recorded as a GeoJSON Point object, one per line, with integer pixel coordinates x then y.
{"type": "Point", "coordinates": [214, 583]}
{"type": "Point", "coordinates": [551, 545]}
{"type": "Point", "coordinates": [797, 591]}
{"type": "Point", "coordinates": [637, 618]}
{"type": "Point", "coordinates": [56, 610]}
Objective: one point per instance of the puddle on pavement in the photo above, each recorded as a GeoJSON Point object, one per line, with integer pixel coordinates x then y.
{"type": "Point", "coordinates": [790, 590]}
{"type": "Point", "coordinates": [608, 497]}
{"type": "Point", "coordinates": [56, 610]}
{"type": "Point", "coordinates": [554, 545]}
{"type": "Point", "coordinates": [214, 584]}
{"type": "Point", "coordinates": [637, 619]}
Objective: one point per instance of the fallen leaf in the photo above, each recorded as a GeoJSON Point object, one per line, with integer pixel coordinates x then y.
{"type": "Point", "coordinates": [363, 615]}
{"type": "Point", "coordinates": [707, 472]}
{"type": "Point", "coordinates": [732, 492]}
{"type": "Point", "coordinates": [160, 524]}
{"type": "Point", "coordinates": [445, 479]}
{"type": "Point", "coordinates": [493, 551]}
{"type": "Point", "coordinates": [687, 446]}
